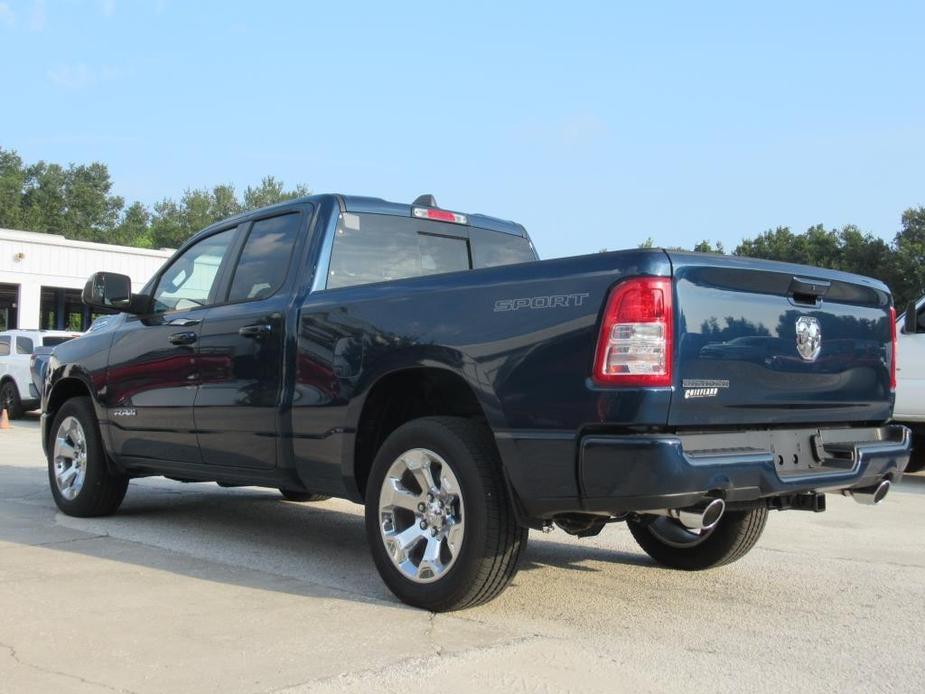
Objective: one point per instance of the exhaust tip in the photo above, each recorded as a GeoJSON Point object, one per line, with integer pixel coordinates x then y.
{"type": "Point", "coordinates": [871, 496]}
{"type": "Point", "coordinates": [701, 517]}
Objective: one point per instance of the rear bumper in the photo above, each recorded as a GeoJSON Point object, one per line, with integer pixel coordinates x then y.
{"type": "Point", "coordinates": [644, 472]}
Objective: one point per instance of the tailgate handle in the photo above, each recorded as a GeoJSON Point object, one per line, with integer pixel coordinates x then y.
{"type": "Point", "coordinates": [806, 291]}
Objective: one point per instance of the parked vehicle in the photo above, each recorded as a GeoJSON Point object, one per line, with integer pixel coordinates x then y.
{"type": "Point", "coordinates": [38, 360]}
{"type": "Point", "coordinates": [424, 363]}
{"type": "Point", "coordinates": [18, 393]}
{"type": "Point", "coordinates": [910, 376]}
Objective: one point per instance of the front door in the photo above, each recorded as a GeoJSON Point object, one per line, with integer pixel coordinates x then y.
{"type": "Point", "coordinates": [241, 349]}
{"type": "Point", "coordinates": [153, 371]}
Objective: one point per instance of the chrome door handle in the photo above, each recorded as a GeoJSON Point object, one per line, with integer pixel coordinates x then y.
{"type": "Point", "coordinates": [184, 338]}
{"type": "Point", "coordinates": [255, 331]}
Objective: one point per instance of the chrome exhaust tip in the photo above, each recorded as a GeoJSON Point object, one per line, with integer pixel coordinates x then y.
{"type": "Point", "coordinates": [703, 517]}
{"type": "Point", "coordinates": [871, 496]}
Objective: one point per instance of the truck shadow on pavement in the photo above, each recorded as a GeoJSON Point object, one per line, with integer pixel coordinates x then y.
{"type": "Point", "coordinates": [246, 537]}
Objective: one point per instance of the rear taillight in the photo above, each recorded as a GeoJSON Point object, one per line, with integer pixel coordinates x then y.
{"type": "Point", "coordinates": [635, 344]}
{"type": "Point", "coordinates": [893, 355]}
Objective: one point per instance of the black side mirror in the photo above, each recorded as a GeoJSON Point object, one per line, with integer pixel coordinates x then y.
{"type": "Point", "coordinates": [108, 291]}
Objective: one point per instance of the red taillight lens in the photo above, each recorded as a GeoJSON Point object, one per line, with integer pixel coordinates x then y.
{"type": "Point", "coordinates": [634, 347]}
{"type": "Point", "coordinates": [893, 355]}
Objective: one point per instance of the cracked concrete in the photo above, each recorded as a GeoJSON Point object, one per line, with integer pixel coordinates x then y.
{"type": "Point", "coordinates": [197, 588]}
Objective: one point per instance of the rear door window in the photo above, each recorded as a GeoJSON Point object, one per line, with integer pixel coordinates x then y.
{"type": "Point", "coordinates": [376, 248]}
{"type": "Point", "coordinates": [24, 345]}
{"type": "Point", "coordinates": [265, 258]}
{"type": "Point", "coordinates": [5, 346]}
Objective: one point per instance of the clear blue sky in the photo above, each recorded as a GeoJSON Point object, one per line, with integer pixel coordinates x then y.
{"type": "Point", "coordinates": [594, 124]}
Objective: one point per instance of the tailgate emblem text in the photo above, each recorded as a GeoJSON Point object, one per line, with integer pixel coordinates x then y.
{"type": "Point", "coordinates": [809, 337]}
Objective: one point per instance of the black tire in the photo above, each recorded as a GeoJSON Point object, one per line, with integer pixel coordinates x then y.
{"type": "Point", "coordinates": [730, 540]}
{"type": "Point", "coordinates": [9, 399]}
{"type": "Point", "coordinates": [492, 541]}
{"type": "Point", "coordinates": [917, 457]}
{"type": "Point", "coordinates": [102, 490]}
{"type": "Point", "coordinates": [290, 495]}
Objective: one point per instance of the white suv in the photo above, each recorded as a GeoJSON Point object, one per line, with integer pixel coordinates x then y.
{"type": "Point", "coordinates": [910, 380]}
{"type": "Point", "coordinates": [17, 392]}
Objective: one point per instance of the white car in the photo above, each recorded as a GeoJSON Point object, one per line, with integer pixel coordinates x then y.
{"type": "Point", "coordinates": [910, 380]}
{"type": "Point", "coordinates": [18, 394]}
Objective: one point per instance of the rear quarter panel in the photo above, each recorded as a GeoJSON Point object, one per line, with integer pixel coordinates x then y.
{"type": "Point", "coordinates": [522, 336]}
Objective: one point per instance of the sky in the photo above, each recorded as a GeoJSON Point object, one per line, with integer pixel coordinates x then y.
{"type": "Point", "coordinates": [596, 125]}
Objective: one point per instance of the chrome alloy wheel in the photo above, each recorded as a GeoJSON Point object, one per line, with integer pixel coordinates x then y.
{"type": "Point", "coordinates": [421, 515]}
{"type": "Point", "coordinates": [70, 459]}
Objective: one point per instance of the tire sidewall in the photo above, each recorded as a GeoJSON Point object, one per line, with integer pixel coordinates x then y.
{"type": "Point", "coordinates": [15, 408]}
{"type": "Point", "coordinates": [439, 439]}
{"type": "Point", "coordinates": [97, 470]}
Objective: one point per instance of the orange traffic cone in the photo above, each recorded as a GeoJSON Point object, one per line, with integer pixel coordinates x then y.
{"type": "Point", "coordinates": [4, 420]}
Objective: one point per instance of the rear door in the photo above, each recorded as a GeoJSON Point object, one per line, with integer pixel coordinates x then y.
{"type": "Point", "coordinates": [242, 345]}
{"type": "Point", "coordinates": [153, 371]}
{"type": "Point", "coordinates": [769, 343]}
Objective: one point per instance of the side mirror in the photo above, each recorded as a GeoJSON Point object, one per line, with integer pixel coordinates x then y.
{"type": "Point", "coordinates": [912, 321]}
{"type": "Point", "coordinates": [109, 291]}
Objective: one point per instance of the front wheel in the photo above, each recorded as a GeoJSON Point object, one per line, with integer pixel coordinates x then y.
{"type": "Point", "coordinates": [78, 472]}
{"type": "Point", "coordinates": [670, 543]}
{"type": "Point", "coordinates": [10, 400]}
{"type": "Point", "coordinates": [439, 519]}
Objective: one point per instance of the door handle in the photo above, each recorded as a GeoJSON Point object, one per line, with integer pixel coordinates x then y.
{"type": "Point", "coordinates": [184, 338]}
{"type": "Point", "coordinates": [255, 331]}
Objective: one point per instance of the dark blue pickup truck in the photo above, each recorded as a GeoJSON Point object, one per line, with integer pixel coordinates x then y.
{"type": "Point", "coordinates": [424, 363]}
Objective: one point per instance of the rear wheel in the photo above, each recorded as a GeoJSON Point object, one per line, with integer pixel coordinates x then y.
{"type": "Point", "coordinates": [670, 543]}
{"type": "Point", "coordinates": [438, 517]}
{"type": "Point", "coordinates": [10, 400]}
{"type": "Point", "coordinates": [290, 495]}
{"type": "Point", "coordinates": [81, 482]}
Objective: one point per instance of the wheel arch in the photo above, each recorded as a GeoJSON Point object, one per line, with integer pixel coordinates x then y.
{"type": "Point", "coordinates": [397, 397]}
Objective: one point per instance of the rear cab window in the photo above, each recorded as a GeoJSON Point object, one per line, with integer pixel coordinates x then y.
{"type": "Point", "coordinates": [55, 341]}
{"type": "Point", "coordinates": [372, 248]}
{"type": "Point", "coordinates": [24, 345]}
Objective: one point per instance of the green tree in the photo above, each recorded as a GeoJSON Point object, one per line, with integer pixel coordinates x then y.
{"type": "Point", "coordinates": [12, 178]}
{"type": "Point", "coordinates": [909, 247]}
{"type": "Point", "coordinates": [134, 227]}
{"type": "Point", "coordinates": [269, 192]}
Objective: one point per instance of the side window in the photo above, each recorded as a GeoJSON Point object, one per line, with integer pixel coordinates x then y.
{"type": "Point", "coordinates": [24, 345]}
{"type": "Point", "coordinates": [265, 259]}
{"type": "Point", "coordinates": [492, 248]}
{"type": "Point", "coordinates": [376, 248]}
{"type": "Point", "coordinates": [188, 282]}
{"type": "Point", "coordinates": [5, 346]}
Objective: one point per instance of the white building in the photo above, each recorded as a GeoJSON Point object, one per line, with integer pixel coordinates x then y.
{"type": "Point", "coordinates": [42, 275]}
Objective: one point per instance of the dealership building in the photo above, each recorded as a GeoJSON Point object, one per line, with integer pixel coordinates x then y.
{"type": "Point", "coordinates": [42, 275]}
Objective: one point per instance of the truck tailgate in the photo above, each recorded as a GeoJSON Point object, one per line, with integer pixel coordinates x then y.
{"type": "Point", "coordinates": [760, 342]}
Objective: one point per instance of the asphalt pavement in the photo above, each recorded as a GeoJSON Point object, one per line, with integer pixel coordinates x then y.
{"type": "Point", "coordinates": [195, 588]}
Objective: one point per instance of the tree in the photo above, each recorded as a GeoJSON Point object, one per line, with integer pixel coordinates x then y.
{"type": "Point", "coordinates": [909, 249]}
{"type": "Point", "coordinates": [12, 179]}
{"type": "Point", "coordinates": [270, 192]}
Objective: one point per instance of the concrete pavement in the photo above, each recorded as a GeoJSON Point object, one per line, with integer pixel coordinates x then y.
{"type": "Point", "coordinates": [197, 588]}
